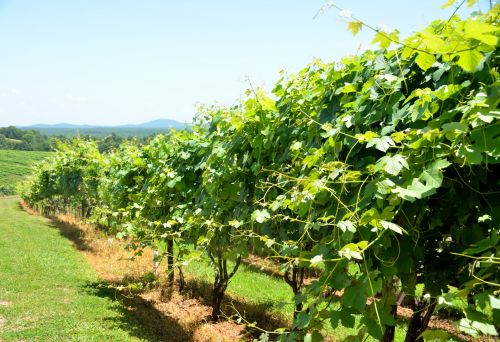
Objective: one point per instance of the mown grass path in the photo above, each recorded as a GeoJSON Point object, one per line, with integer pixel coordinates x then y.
{"type": "Point", "coordinates": [47, 288]}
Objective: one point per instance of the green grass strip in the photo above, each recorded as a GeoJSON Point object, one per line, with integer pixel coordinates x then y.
{"type": "Point", "coordinates": [47, 289]}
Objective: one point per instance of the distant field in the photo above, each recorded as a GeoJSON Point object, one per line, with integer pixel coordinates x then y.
{"type": "Point", "coordinates": [14, 166]}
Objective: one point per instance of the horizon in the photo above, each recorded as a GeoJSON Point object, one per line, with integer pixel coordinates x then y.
{"type": "Point", "coordinates": [118, 63]}
{"type": "Point", "coordinates": [90, 125]}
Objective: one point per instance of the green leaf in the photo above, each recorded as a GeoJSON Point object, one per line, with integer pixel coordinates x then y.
{"type": "Point", "coordinates": [381, 144]}
{"type": "Point", "coordinates": [348, 88]}
{"type": "Point", "coordinates": [484, 218]}
{"type": "Point", "coordinates": [351, 251]}
{"type": "Point", "coordinates": [385, 186]}
{"type": "Point", "coordinates": [488, 116]}
{"type": "Point", "coordinates": [487, 140]}
{"type": "Point", "coordinates": [302, 320]}
{"type": "Point", "coordinates": [479, 31]}
{"type": "Point", "coordinates": [372, 326]}
{"type": "Point", "coordinates": [426, 184]}
{"type": "Point", "coordinates": [346, 226]}
{"type": "Point", "coordinates": [355, 297]}
{"type": "Point", "coordinates": [260, 216]}
{"type": "Point", "coordinates": [448, 3]}
{"type": "Point", "coordinates": [471, 155]}
{"type": "Point", "coordinates": [392, 226]}
{"type": "Point", "coordinates": [471, 3]}
{"type": "Point", "coordinates": [367, 136]}
{"type": "Point", "coordinates": [473, 328]}
{"type": "Point", "coordinates": [433, 44]}
{"type": "Point", "coordinates": [184, 155]}
{"type": "Point", "coordinates": [494, 302]}
{"type": "Point", "coordinates": [446, 91]}
{"type": "Point", "coordinates": [362, 244]}
{"type": "Point", "coordinates": [469, 60]}
{"type": "Point", "coordinates": [485, 328]}
{"type": "Point", "coordinates": [392, 164]}
{"type": "Point", "coordinates": [219, 151]}
{"type": "Point", "coordinates": [382, 39]}
{"type": "Point", "coordinates": [347, 318]}
{"type": "Point", "coordinates": [455, 127]}
{"type": "Point", "coordinates": [297, 145]}
{"type": "Point", "coordinates": [316, 260]}
{"type": "Point", "coordinates": [315, 336]}
{"type": "Point", "coordinates": [235, 223]}
{"type": "Point", "coordinates": [425, 60]}
{"type": "Point", "coordinates": [354, 27]}
{"type": "Point", "coordinates": [495, 306]}
{"type": "Point", "coordinates": [482, 245]}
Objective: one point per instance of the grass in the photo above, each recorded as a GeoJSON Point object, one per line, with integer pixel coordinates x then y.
{"type": "Point", "coordinates": [15, 166]}
{"type": "Point", "coordinates": [46, 287]}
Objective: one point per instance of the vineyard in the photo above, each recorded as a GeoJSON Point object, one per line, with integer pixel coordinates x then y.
{"type": "Point", "coordinates": [15, 166]}
{"type": "Point", "coordinates": [370, 185]}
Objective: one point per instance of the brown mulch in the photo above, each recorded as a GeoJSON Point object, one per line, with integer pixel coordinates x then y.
{"type": "Point", "coordinates": [262, 264]}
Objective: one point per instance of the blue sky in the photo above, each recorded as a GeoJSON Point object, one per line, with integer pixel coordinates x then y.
{"type": "Point", "coordinates": [122, 61]}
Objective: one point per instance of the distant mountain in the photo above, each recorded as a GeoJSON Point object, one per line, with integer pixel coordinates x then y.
{"type": "Point", "coordinates": [155, 124]}
{"type": "Point", "coordinates": [159, 123]}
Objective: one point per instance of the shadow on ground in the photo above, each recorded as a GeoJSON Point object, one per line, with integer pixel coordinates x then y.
{"type": "Point", "coordinates": [232, 307]}
{"type": "Point", "coordinates": [139, 317]}
{"type": "Point", "coordinates": [72, 233]}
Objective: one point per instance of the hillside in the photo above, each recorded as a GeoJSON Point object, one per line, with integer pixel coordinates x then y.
{"type": "Point", "coordinates": [14, 166]}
